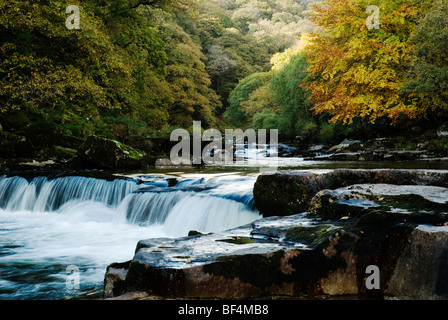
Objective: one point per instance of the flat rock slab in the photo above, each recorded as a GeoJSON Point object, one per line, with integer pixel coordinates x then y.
{"type": "Point", "coordinates": [420, 204]}
{"type": "Point", "coordinates": [290, 192]}
{"type": "Point", "coordinates": [257, 260]}
{"type": "Point", "coordinates": [289, 257]}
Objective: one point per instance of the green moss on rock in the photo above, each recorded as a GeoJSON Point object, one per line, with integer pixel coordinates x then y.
{"type": "Point", "coordinates": [64, 153]}
{"type": "Point", "coordinates": [314, 236]}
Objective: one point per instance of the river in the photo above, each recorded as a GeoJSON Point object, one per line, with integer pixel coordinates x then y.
{"type": "Point", "coordinates": [56, 223]}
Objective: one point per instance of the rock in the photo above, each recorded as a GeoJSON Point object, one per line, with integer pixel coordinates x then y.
{"type": "Point", "coordinates": [289, 257]}
{"type": "Point", "coordinates": [115, 279]}
{"type": "Point", "coordinates": [102, 153]}
{"type": "Point", "coordinates": [236, 265]}
{"type": "Point", "coordinates": [347, 143]}
{"type": "Point", "coordinates": [290, 192]}
{"type": "Point", "coordinates": [399, 229]}
{"type": "Point", "coordinates": [316, 148]}
{"type": "Point", "coordinates": [165, 162]}
{"type": "Point", "coordinates": [380, 202]}
{"type": "Point", "coordinates": [342, 156]}
{"type": "Point", "coordinates": [442, 131]}
{"type": "Point", "coordinates": [64, 154]}
{"type": "Point", "coordinates": [404, 155]}
{"type": "Point", "coordinates": [421, 271]}
{"type": "Point", "coordinates": [284, 193]}
{"type": "Point", "coordinates": [380, 149]}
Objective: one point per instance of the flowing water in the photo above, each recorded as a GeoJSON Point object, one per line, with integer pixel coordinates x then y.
{"type": "Point", "coordinates": [48, 226]}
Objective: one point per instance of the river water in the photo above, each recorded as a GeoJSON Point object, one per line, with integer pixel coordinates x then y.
{"type": "Point", "coordinates": [52, 225]}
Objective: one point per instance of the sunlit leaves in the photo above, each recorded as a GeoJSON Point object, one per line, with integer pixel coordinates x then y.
{"type": "Point", "coordinates": [356, 72]}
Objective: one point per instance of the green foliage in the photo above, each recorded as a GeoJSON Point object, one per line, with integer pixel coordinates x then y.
{"type": "Point", "coordinates": [429, 73]}
{"type": "Point", "coordinates": [295, 116]}
{"type": "Point", "coordinates": [239, 38]}
{"type": "Point", "coordinates": [275, 100]}
{"type": "Point", "coordinates": [114, 63]}
{"type": "Point", "coordinates": [234, 112]}
{"type": "Point", "coordinates": [193, 99]}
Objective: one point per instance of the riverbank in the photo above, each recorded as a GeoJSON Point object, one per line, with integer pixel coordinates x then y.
{"type": "Point", "coordinates": [20, 153]}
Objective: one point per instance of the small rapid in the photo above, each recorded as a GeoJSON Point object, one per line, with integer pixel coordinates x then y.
{"type": "Point", "coordinates": [48, 224]}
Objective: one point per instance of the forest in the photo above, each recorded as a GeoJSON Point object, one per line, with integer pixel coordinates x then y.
{"type": "Point", "coordinates": [137, 69]}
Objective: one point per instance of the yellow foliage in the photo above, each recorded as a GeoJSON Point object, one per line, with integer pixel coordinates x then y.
{"type": "Point", "coordinates": [357, 72]}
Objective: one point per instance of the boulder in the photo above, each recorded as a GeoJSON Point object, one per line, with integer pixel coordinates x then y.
{"type": "Point", "coordinates": [442, 131]}
{"type": "Point", "coordinates": [382, 202]}
{"type": "Point", "coordinates": [346, 144]}
{"type": "Point", "coordinates": [421, 271]}
{"type": "Point", "coordinates": [238, 265]}
{"type": "Point", "coordinates": [103, 153]}
{"type": "Point", "coordinates": [285, 193]}
{"type": "Point", "coordinates": [400, 230]}
{"type": "Point", "coordinates": [289, 192]}
{"type": "Point", "coordinates": [288, 257]}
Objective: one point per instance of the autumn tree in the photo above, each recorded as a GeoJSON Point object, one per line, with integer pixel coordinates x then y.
{"type": "Point", "coordinates": [112, 66]}
{"type": "Point", "coordinates": [358, 72]}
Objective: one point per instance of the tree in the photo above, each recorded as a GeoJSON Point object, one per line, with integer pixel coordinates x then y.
{"type": "Point", "coordinates": [113, 65]}
{"type": "Point", "coordinates": [356, 72]}
{"type": "Point", "coordinates": [295, 116]}
{"type": "Point", "coordinates": [193, 99]}
{"type": "Point", "coordinates": [429, 72]}
{"type": "Point", "coordinates": [241, 93]}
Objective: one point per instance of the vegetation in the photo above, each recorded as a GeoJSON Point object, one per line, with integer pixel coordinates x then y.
{"type": "Point", "coordinates": [136, 69]}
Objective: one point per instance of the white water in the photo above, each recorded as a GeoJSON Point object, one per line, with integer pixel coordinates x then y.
{"type": "Point", "coordinates": [47, 225]}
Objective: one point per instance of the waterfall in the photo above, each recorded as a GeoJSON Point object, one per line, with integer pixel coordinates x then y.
{"type": "Point", "coordinates": [190, 204]}
{"type": "Point", "coordinates": [48, 224]}
{"type": "Point", "coordinates": [46, 195]}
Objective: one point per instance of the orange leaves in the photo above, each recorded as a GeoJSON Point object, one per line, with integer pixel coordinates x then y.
{"type": "Point", "coordinates": [356, 72]}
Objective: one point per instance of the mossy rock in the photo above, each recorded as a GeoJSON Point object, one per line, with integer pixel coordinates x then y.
{"type": "Point", "coordinates": [282, 194]}
{"type": "Point", "coordinates": [64, 153]}
{"type": "Point", "coordinates": [315, 236]}
{"type": "Point", "coordinates": [102, 153]}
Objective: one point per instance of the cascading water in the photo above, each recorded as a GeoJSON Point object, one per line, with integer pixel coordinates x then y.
{"type": "Point", "coordinates": [49, 224]}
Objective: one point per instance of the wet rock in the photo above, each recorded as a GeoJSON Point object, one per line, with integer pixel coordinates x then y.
{"type": "Point", "coordinates": [102, 153]}
{"type": "Point", "coordinates": [421, 271]}
{"type": "Point", "coordinates": [239, 265]}
{"type": "Point", "coordinates": [379, 149]}
{"type": "Point", "coordinates": [295, 257]}
{"type": "Point", "coordinates": [381, 203]}
{"type": "Point", "coordinates": [346, 144]}
{"type": "Point", "coordinates": [290, 192]}
{"type": "Point", "coordinates": [284, 193]}
{"type": "Point", "coordinates": [115, 279]}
